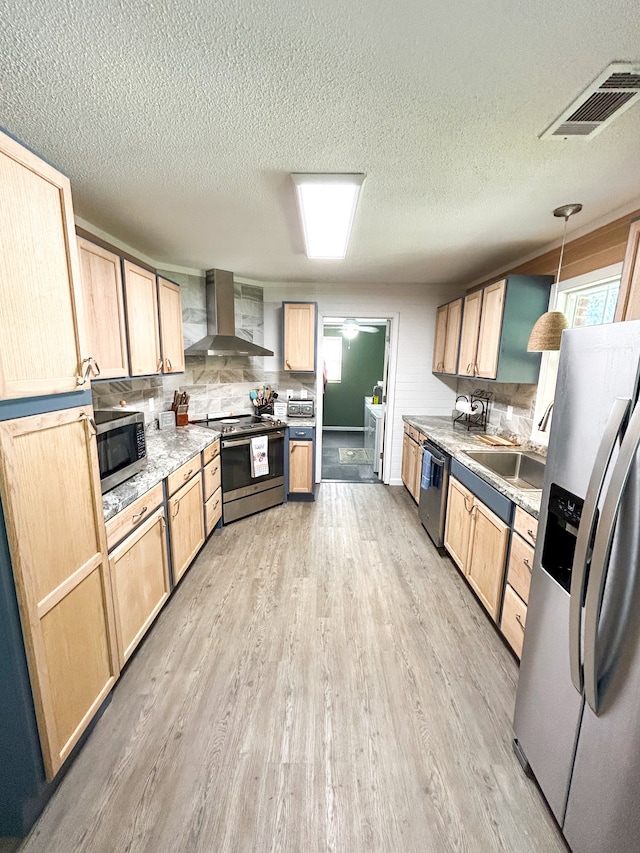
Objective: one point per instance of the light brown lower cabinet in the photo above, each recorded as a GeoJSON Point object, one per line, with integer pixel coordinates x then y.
{"type": "Point", "coordinates": [186, 525]}
{"type": "Point", "coordinates": [516, 595]}
{"type": "Point", "coordinates": [412, 461]}
{"type": "Point", "coordinates": [301, 467]}
{"type": "Point", "coordinates": [477, 540]}
{"type": "Point", "coordinates": [212, 511]}
{"type": "Point", "coordinates": [50, 491]}
{"type": "Point", "coordinates": [514, 618]}
{"type": "Point", "coordinates": [487, 556]}
{"type": "Point", "coordinates": [140, 581]}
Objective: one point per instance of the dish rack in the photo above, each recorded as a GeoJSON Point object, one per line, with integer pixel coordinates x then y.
{"type": "Point", "coordinates": [473, 411]}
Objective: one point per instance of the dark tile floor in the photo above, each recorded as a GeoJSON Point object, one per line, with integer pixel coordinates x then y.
{"type": "Point", "coordinates": [332, 441]}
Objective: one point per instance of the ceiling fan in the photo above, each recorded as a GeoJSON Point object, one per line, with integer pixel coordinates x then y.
{"type": "Point", "coordinates": [351, 327]}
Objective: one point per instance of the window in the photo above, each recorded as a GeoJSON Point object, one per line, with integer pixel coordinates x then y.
{"type": "Point", "coordinates": [332, 352]}
{"type": "Point", "coordinates": [586, 300]}
{"type": "Point", "coordinates": [590, 304]}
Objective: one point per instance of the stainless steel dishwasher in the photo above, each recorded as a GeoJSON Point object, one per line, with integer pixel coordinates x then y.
{"type": "Point", "coordinates": [434, 485]}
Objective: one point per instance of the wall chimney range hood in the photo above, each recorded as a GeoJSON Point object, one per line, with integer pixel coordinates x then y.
{"type": "Point", "coordinates": [221, 338]}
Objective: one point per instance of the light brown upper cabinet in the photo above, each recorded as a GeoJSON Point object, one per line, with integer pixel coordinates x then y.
{"type": "Point", "coordinates": [447, 337]}
{"type": "Point", "coordinates": [299, 336]}
{"type": "Point", "coordinates": [171, 339]}
{"type": "Point", "coordinates": [490, 330]}
{"type": "Point", "coordinates": [42, 339]}
{"type": "Point", "coordinates": [469, 337]}
{"type": "Point", "coordinates": [628, 307]}
{"type": "Point", "coordinates": [104, 308]}
{"type": "Point", "coordinates": [50, 491]}
{"type": "Point", "coordinates": [496, 323]}
{"type": "Point", "coordinates": [142, 320]}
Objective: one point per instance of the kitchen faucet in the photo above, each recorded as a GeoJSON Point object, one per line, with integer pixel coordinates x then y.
{"type": "Point", "coordinates": [544, 420]}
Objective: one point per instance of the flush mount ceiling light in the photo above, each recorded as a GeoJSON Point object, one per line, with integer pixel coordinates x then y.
{"type": "Point", "coordinates": [546, 335]}
{"type": "Point", "coordinates": [327, 206]}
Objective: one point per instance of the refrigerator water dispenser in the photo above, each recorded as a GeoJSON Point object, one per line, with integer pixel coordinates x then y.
{"type": "Point", "coordinates": [563, 519]}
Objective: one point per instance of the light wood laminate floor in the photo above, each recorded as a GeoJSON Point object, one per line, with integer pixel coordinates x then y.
{"type": "Point", "coordinates": [320, 681]}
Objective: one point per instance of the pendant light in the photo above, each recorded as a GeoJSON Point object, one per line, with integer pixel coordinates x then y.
{"type": "Point", "coordinates": [547, 332]}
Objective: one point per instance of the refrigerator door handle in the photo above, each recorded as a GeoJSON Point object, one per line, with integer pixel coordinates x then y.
{"type": "Point", "coordinates": [601, 553]}
{"type": "Point", "coordinates": [612, 430]}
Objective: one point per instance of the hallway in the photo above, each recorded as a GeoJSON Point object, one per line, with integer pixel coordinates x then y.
{"type": "Point", "coordinates": [320, 681]}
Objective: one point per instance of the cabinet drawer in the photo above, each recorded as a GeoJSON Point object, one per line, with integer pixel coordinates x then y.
{"type": "Point", "coordinates": [412, 432]}
{"type": "Point", "coordinates": [210, 453]}
{"type": "Point", "coordinates": [213, 511]}
{"type": "Point", "coordinates": [526, 525]}
{"type": "Point", "coordinates": [301, 433]}
{"type": "Point", "coordinates": [183, 474]}
{"type": "Point", "coordinates": [514, 617]}
{"type": "Point", "coordinates": [211, 478]}
{"type": "Point", "coordinates": [520, 566]}
{"type": "Point", "coordinates": [124, 522]}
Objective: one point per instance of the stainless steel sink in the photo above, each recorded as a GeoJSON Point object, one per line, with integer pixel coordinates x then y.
{"type": "Point", "coordinates": [520, 468]}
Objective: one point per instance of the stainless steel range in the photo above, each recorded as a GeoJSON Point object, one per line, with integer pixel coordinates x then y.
{"type": "Point", "coordinates": [242, 492]}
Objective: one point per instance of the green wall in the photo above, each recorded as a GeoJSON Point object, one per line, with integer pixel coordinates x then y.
{"type": "Point", "coordinates": [362, 366]}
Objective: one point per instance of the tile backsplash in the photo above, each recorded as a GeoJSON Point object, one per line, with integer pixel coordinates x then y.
{"type": "Point", "coordinates": [217, 385]}
{"type": "Point", "coordinates": [521, 397]}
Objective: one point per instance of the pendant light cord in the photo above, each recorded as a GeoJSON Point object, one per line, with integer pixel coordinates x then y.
{"type": "Point", "coordinates": [564, 233]}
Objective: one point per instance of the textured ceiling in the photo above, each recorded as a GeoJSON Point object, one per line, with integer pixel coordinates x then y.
{"type": "Point", "coordinates": [179, 121]}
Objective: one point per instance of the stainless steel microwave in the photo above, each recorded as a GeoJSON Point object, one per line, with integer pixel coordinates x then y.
{"type": "Point", "coordinates": [122, 446]}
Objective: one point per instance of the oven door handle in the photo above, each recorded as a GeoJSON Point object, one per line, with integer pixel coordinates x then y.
{"type": "Point", "coordinates": [237, 442]}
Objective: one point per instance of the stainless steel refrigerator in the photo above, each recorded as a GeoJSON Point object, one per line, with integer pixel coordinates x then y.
{"type": "Point", "coordinates": [577, 716]}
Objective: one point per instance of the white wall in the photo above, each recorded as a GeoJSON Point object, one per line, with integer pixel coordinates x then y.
{"type": "Point", "coordinates": [417, 391]}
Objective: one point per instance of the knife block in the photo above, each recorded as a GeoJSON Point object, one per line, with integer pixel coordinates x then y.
{"type": "Point", "coordinates": [182, 415]}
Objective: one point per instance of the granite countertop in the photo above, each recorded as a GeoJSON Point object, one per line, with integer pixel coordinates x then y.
{"type": "Point", "coordinates": [167, 450]}
{"type": "Point", "coordinates": [300, 422]}
{"type": "Point", "coordinates": [456, 440]}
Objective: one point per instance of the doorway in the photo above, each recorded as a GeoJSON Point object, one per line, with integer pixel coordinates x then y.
{"type": "Point", "coordinates": [355, 359]}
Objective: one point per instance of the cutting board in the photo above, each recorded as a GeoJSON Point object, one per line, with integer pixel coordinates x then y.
{"type": "Point", "coordinates": [497, 441]}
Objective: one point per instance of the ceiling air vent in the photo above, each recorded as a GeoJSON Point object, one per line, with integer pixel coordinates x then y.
{"type": "Point", "coordinates": [613, 92]}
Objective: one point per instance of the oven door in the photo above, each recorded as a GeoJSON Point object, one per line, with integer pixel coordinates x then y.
{"type": "Point", "coordinates": [236, 465]}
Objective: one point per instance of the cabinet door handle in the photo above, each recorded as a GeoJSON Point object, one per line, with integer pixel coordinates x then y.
{"type": "Point", "coordinates": [469, 367]}
{"type": "Point", "coordinates": [89, 365]}
{"type": "Point", "coordinates": [476, 372]}
{"type": "Point", "coordinates": [531, 534]}
{"type": "Point", "coordinates": [177, 509]}
{"type": "Point", "coordinates": [159, 367]}
{"type": "Point", "coordinates": [468, 509]}
{"type": "Point", "coordinates": [214, 470]}
{"type": "Point", "coordinates": [168, 363]}
{"type": "Point", "coordinates": [186, 476]}
{"type": "Point", "coordinates": [138, 515]}
{"type": "Point", "coordinates": [519, 621]}
{"type": "Point", "coordinates": [527, 564]}
{"type": "Point", "coordinates": [288, 363]}
{"type": "Point", "coordinates": [85, 417]}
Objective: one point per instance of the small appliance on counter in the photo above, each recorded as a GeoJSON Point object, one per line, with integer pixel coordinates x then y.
{"type": "Point", "coordinates": [300, 408]}
{"type": "Point", "coordinates": [122, 446]}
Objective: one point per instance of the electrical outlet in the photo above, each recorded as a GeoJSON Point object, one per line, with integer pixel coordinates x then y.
{"type": "Point", "coordinates": [303, 394]}
{"type": "Point", "coordinates": [152, 404]}
{"type": "Point", "coordinates": [509, 412]}
{"type": "Point", "coordinates": [289, 393]}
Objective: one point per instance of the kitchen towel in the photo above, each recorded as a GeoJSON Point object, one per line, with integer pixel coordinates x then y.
{"type": "Point", "coordinates": [425, 479]}
{"type": "Point", "coordinates": [259, 455]}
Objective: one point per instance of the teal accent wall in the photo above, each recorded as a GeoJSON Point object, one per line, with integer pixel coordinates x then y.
{"type": "Point", "coordinates": [362, 366]}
